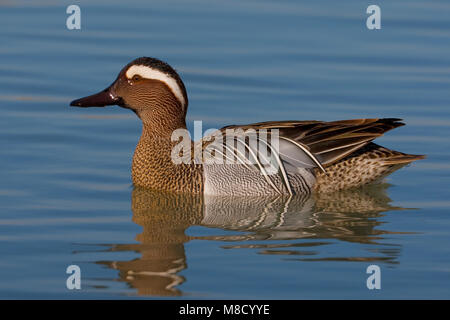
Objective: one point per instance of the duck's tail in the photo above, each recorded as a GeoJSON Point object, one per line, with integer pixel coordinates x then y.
{"type": "Point", "coordinates": [402, 158]}
{"type": "Point", "coordinates": [368, 165]}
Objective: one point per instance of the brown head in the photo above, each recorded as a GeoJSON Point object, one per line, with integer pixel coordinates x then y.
{"type": "Point", "coordinates": [149, 87]}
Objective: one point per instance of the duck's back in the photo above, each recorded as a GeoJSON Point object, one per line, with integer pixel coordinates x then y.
{"type": "Point", "coordinates": [311, 156]}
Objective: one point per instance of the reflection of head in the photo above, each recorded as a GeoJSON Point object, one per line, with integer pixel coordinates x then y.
{"type": "Point", "coordinates": [164, 219]}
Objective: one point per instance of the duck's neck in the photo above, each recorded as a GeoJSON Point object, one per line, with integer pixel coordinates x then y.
{"type": "Point", "coordinates": [153, 166]}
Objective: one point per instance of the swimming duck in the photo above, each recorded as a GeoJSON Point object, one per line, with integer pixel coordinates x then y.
{"type": "Point", "coordinates": [305, 157]}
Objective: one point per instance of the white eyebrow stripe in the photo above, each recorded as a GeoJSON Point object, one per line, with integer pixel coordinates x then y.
{"type": "Point", "coordinates": [150, 73]}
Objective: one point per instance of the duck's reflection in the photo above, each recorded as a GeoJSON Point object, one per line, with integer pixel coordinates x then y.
{"type": "Point", "coordinates": [348, 216]}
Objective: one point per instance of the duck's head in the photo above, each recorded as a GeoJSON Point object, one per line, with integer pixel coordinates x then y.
{"type": "Point", "coordinates": [148, 86]}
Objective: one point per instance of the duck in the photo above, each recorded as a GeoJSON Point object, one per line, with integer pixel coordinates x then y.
{"type": "Point", "coordinates": [296, 157]}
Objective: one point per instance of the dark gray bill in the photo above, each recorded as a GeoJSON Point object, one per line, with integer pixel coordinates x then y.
{"type": "Point", "coordinates": [101, 99]}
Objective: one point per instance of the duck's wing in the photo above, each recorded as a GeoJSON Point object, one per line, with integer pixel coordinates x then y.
{"type": "Point", "coordinates": [328, 142]}
{"type": "Point", "coordinates": [300, 144]}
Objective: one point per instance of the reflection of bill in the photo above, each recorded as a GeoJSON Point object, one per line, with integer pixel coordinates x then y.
{"type": "Point", "coordinates": [347, 216]}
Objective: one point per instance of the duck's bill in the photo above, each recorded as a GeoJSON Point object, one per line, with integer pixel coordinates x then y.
{"type": "Point", "coordinates": [101, 99]}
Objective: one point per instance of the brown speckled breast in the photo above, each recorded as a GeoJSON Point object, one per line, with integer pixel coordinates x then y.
{"type": "Point", "coordinates": [153, 168]}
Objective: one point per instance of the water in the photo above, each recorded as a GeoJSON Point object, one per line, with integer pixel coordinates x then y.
{"type": "Point", "coordinates": [65, 190]}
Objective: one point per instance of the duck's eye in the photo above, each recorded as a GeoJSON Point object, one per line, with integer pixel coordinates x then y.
{"type": "Point", "coordinates": [136, 77]}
